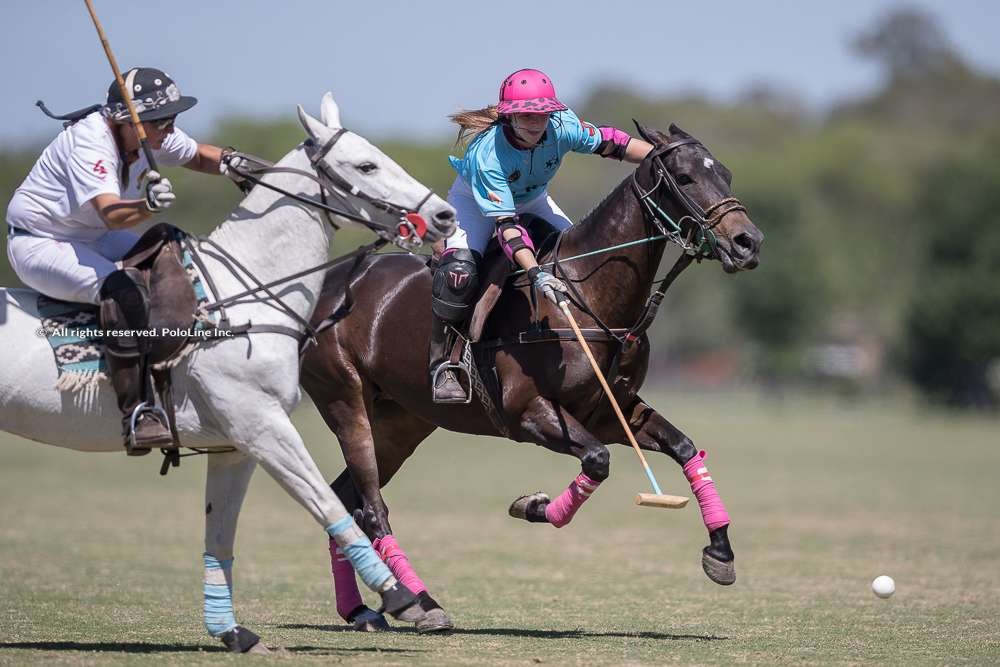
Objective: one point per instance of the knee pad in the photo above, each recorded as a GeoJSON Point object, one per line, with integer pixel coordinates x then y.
{"type": "Point", "coordinates": [456, 283]}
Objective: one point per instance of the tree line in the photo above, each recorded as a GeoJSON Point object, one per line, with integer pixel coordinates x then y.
{"type": "Point", "coordinates": [881, 216]}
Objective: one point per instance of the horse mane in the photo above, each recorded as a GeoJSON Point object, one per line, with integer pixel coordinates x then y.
{"type": "Point", "coordinates": [615, 192]}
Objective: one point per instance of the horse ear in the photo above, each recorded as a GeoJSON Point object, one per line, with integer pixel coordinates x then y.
{"type": "Point", "coordinates": [652, 136]}
{"type": "Point", "coordinates": [315, 129]}
{"type": "Point", "coordinates": [330, 112]}
{"type": "Point", "coordinates": [678, 132]}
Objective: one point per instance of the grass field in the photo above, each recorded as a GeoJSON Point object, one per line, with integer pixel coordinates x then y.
{"type": "Point", "coordinates": [100, 557]}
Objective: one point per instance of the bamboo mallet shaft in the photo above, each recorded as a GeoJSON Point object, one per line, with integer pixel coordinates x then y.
{"type": "Point", "coordinates": [659, 499]}
{"type": "Point", "coordinates": [136, 123]}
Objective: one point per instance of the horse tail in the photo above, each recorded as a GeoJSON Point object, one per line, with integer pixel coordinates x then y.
{"type": "Point", "coordinates": [473, 123]}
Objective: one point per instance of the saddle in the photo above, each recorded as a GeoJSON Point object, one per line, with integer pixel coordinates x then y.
{"type": "Point", "coordinates": [495, 270]}
{"type": "Point", "coordinates": [155, 266]}
{"type": "Point", "coordinates": [157, 258]}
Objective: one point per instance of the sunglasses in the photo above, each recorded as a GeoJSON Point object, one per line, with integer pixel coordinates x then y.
{"type": "Point", "coordinates": [165, 124]}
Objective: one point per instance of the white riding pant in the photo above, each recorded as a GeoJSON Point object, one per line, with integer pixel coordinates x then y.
{"type": "Point", "coordinates": [68, 270]}
{"type": "Point", "coordinates": [475, 230]}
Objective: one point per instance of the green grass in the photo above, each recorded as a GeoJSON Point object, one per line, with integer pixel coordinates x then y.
{"type": "Point", "coordinates": [100, 557]}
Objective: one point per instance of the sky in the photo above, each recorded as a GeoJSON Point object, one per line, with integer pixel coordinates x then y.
{"type": "Point", "coordinates": [398, 68]}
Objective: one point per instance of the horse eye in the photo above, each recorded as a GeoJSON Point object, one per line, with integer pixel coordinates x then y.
{"type": "Point", "coordinates": [684, 179]}
{"type": "Point", "coordinates": [367, 167]}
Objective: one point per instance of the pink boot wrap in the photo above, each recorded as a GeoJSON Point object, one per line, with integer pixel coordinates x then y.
{"type": "Point", "coordinates": [345, 583]}
{"type": "Point", "coordinates": [560, 511]}
{"type": "Point", "coordinates": [393, 556]}
{"type": "Point", "coordinates": [713, 512]}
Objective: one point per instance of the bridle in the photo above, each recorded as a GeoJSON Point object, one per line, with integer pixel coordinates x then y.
{"type": "Point", "coordinates": [410, 228]}
{"type": "Point", "coordinates": [409, 233]}
{"type": "Point", "coordinates": [693, 232]}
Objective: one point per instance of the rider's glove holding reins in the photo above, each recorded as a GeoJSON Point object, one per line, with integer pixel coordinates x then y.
{"type": "Point", "coordinates": [232, 164]}
{"type": "Point", "coordinates": [159, 192]}
{"type": "Point", "coordinates": [547, 283]}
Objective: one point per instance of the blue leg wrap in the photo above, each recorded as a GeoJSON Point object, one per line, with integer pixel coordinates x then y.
{"type": "Point", "coordinates": [358, 549]}
{"type": "Point", "coordinates": [219, 616]}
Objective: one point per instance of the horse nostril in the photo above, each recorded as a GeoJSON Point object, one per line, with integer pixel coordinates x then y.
{"type": "Point", "coordinates": [444, 216]}
{"type": "Point", "coordinates": [745, 244]}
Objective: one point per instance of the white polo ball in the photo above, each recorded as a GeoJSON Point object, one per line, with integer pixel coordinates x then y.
{"type": "Point", "coordinates": [883, 586]}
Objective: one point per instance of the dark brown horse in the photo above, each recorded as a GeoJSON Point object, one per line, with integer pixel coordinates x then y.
{"type": "Point", "coordinates": [368, 374]}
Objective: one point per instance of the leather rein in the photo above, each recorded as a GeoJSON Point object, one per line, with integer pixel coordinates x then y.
{"type": "Point", "coordinates": [408, 234]}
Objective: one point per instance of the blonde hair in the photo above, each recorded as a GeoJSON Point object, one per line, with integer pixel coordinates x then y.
{"type": "Point", "coordinates": [473, 123]}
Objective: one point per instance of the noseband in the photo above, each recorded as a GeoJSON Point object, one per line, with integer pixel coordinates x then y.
{"type": "Point", "coordinates": [412, 226]}
{"type": "Point", "coordinates": [693, 232]}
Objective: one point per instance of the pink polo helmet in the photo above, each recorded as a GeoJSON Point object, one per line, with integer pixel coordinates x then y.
{"type": "Point", "coordinates": [528, 91]}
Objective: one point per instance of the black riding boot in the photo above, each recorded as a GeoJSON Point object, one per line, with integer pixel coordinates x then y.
{"type": "Point", "coordinates": [454, 286]}
{"type": "Point", "coordinates": [124, 305]}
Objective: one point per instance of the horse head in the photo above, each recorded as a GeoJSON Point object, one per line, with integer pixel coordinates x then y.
{"type": "Point", "coordinates": [370, 182]}
{"type": "Point", "coordinates": [682, 176]}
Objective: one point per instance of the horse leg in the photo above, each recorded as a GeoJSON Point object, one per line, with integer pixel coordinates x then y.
{"type": "Point", "coordinates": [346, 416]}
{"type": "Point", "coordinates": [361, 483]}
{"type": "Point", "coordinates": [547, 424]}
{"type": "Point", "coordinates": [396, 434]}
{"type": "Point", "coordinates": [350, 605]}
{"type": "Point", "coordinates": [654, 433]}
{"type": "Point", "coordinates": [225, 488]}
{"type": "Point", "coordinates": [257, 422]}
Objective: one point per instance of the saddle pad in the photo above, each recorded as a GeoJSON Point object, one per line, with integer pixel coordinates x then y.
{"type": "Point", "coordinates": [71, 330]}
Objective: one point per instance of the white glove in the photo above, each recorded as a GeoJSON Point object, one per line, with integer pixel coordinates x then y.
{"type": "Point", "coordinates": [548, 284]}
{"type": "Point", "coordinates": [229, 165]}
{"type": "Point", "coordinates": [159, 193]}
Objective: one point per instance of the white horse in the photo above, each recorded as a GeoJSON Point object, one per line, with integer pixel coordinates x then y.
{"type": "Point", "coordinates": [238, 392]}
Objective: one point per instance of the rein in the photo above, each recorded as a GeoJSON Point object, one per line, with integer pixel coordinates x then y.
{"type": "Point", "coordinates": [409, 231]}
{"type": "Point", "coordinates": [409, 234]}
{"type": "Point", "coordinates": [692, 233]}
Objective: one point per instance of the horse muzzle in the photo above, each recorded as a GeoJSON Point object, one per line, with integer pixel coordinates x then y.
{"type": "Point", "coordinates": [742, 252]}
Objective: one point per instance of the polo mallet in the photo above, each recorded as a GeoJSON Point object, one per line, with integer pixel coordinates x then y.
{"type": "Point", "coordinates": [658, 498]}
{"type": "Point", "coordinates": [136, 123]}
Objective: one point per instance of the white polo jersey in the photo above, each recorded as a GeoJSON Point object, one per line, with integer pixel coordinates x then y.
{"type": "Point", "coordinates": [81, 163]}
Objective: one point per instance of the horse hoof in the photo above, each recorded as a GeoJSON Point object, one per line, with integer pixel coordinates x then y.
{"type": "Point", "coordinates": [259, 649]}
{"type": "Point", "coordinates": [530, 507]}
{"type": "Point", "coordinates": [241, 640]}
{"type": "Point", "coordinates": [719, 571]}
{"type": "Point", "coordinates": [435, 620]}
{"type": "Point", "coordinates": [401, 603]}
{"type": "Point", "coordinates": [370, 620]}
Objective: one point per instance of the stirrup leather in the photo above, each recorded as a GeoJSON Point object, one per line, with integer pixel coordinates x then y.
{"type": "Point", "coordinates": [458, 368]}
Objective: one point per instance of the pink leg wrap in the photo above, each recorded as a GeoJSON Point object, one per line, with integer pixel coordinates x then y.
{"type": "Point", "coordinates": [393, 556]}
{"type": "Point", "coordinates": [713, 512]}
{"type": "Point", "coordinates": [345, 583]}
{"type": "Point", "coordinates": [560, 511]}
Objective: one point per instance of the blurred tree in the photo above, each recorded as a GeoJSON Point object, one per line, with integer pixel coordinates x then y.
{"type": "Point", "coordinates": [783, 303]}
{"type": "Point", "coordinates": [910, 44]}
{"type": "Point", "coordinates": [953, 326]}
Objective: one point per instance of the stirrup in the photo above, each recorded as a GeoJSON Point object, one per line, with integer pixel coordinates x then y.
{"type": "Point", "coordinates": [140, 410]}
{"type": "Point", "coordinates": [459, 368]}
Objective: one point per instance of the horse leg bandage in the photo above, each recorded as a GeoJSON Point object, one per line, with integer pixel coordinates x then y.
{"type": "Point", "coordinates": [713, 512]}
{"type": "Point", "coordinates": [345, 583]}
{"type": "Point", "coordinates": [358, 549]}
{"type": "Point", "coordinates": [393, 556]}
{"type": "Point", "coordinates": [219, 615]}
{"type": "Point", "coordinates": [560, 511]}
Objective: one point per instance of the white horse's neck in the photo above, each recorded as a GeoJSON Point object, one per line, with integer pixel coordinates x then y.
{"type": "Point", "coordinates": [274, 236]}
